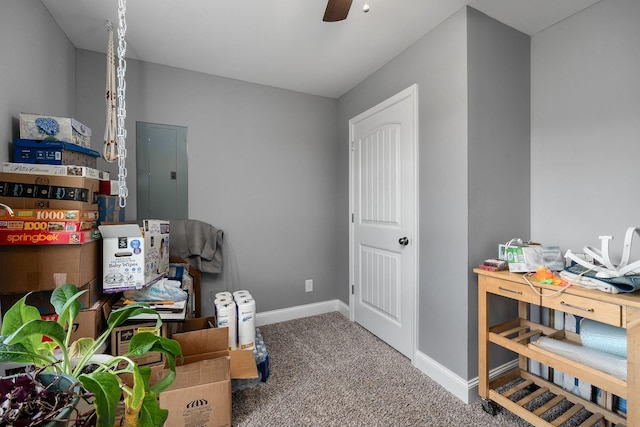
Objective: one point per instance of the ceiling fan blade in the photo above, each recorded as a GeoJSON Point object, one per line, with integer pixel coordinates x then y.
{"type": "Point", "coordinates": [336, 10]}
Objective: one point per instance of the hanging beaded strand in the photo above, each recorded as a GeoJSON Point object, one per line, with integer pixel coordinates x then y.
{"type": "Point", "coordinates": [122, 106]}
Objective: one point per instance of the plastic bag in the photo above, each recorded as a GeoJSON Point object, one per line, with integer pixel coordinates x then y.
{"type": "Point", "coordinates": [162, 290]}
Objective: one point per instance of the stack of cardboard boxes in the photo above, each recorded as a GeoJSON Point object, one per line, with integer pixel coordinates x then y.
{"type": "Point", "coordinates": [56, 227]}
{"type": "Point", "coordinates": [49, 235]}
{"type": "Point", "coordinates": [49, 220]}
{"type": "Point", "coordinates": [48, 229]}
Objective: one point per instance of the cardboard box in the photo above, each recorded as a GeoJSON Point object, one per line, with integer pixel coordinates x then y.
{"type": "Point", "coordinates": [53, 153]}
{"type": "Point", "coordinates": [36, 126]}
{"type": "Point", "coordinates": [27, 191]}
{"type": "Point", "coordinates": [133, 258]}
{"type": "Point", "coordinates": [109, 208]}
{"type": "Point", "coordinates": [201, 344]}
{"type": "Point", "coordinates": [35, 237]}
{"type": "Point", "coordinates": [62, 170]}
{"type": "Point", "coordinates": [42, 299]}
{"type": "Point", "coordinates": [196, 324]}
{"type": "Point", "coordinates": [27, 268]}
{"type": "Point", "coordinates": [48, 215]}
{"type": "Point", "coordinates": [110, 187]}
{"type": "Point", "coordinates": [19, 224]}
{"type": "Point", "coordinates": [156, 247]}
{"type": "Point", "coordinates": [201, 393]}
{"type": "Point", "coordinates": [121, 337]}
{"type": "Point", "coordinates": [92, 322]}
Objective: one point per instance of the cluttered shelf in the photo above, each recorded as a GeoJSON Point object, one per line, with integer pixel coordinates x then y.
{"type": "Point", "coordinates": [558, 349]}
{"type": "Point", "coordinates": [195, 274]}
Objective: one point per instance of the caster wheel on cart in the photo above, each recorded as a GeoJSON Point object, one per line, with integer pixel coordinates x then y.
{"type": "Point", "coordinates": [490, 407]}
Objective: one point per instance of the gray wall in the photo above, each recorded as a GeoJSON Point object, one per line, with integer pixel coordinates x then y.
{"type": "Point", "coordinates": [585, 142]}
{"type": "Point", "coordinates": [36, 67]}
{"type": "Point", "coordinates": [262, 167]}
{"type": "Point", "coordinates": [498, 158]}
{"type": "Point", "coordinates": [473, 83]}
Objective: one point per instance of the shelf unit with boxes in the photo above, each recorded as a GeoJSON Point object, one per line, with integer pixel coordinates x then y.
{"type": "Point", "coordinates": [195, 274]}
{"type": "Point", "coordinates": [517, 335]}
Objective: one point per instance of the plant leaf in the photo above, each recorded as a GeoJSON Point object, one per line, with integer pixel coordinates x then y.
{"type": "Point", "coordinates": [19, 314]}
{"type": "Point", "coordinates": [25, 333]}
{"type": "Point", "coordinates": [143, 342]}
{"type": "Point", "coordinates": [65, 301]}
{"type": "Point", "coordinates": [135, 399]}
{"type": "Point", "coordinates": [163, 383]}
{"type": "Point", "coordinates": [151, 414]}
{"type": "Point", "coordinates": [15, 353]}
{"type": "Point", "coordinates": [81, 347]}
{"type": "Point", "coordinates": [119, 316]}
{"type": "Point", "coordinates": [106, 389]}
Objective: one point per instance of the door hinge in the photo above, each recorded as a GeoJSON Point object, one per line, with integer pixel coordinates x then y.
{"type": "Point", "coordinates": [352, 216]}
{"type": "Point", "coordinates": [353, 289]}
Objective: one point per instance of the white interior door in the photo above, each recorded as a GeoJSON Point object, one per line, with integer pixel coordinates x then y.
{"type": "Point", "coordinates": [383, 231]}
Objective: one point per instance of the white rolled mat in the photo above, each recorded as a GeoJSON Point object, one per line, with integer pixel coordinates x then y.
{"type": "Point", "coordinates": [603, 337]}
{"type": "Point", "coordinates": [226, 316]}
{"type": "Point", "coordinates": [246, 323]}
{"type": "Point", "coordinates": [609, 363]}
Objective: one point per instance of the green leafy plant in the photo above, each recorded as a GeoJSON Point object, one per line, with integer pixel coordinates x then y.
{"type": "Point", "coordinates": [21, 341]}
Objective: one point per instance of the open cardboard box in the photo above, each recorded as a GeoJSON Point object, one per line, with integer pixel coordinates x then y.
{"type": "Point", "coordinates": [201, 393]}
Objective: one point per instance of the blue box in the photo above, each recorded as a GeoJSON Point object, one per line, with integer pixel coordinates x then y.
{"type": "Point", "coordinates": [51, 152]}
{"type": "Point", "coordinates": [109, 209]}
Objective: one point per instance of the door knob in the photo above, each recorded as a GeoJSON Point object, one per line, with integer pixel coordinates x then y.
{"type": "Point", "coordinates": [404, 241]}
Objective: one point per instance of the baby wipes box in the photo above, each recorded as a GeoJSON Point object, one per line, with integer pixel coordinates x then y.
{"type": "Point", "coordinates": [156, 248]}
{"type": "Point", "coordinates": [122, 257]}
{"type": "Point", "coordinates": [134, 256]}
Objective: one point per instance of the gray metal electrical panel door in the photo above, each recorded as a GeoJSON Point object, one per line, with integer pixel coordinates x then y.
{"type": "Point", "coordinates": [162, 171]}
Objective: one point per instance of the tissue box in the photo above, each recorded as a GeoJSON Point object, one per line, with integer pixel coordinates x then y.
{"type": "Point", "coordinates": [36, 126]}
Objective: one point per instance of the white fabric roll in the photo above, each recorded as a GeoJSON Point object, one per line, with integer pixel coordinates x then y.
{"type": "Point", "coordinates": [246, 323]}
{"type": "Point", "coordinates": [226, 317]}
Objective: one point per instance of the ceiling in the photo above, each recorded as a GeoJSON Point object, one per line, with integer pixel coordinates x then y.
{"type": "Point", "coordinates": [284, 43]}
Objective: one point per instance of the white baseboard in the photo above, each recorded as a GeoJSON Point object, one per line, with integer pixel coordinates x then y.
{"type": "Point", "coordinates": [467, 391]}
{"type": "Point", "coordinates": [297, 312]}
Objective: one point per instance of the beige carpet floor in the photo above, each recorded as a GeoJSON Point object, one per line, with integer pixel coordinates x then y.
{"type": "Point", "coordinates": [329, 371]}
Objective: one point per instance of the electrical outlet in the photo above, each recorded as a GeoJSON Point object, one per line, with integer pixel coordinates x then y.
{"type": "Point", "coordinates": [308, 285]}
